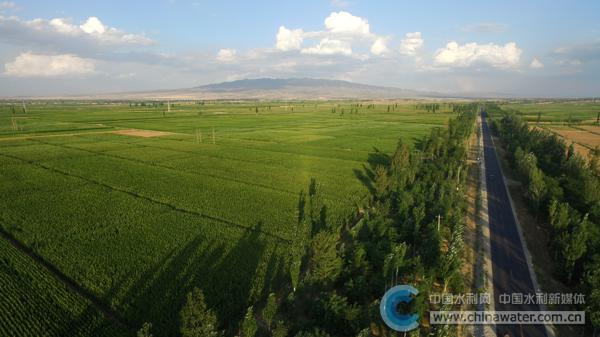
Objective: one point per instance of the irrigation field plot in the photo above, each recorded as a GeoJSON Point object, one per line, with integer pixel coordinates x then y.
{"type": "Point", "coordinates": [576, 122]}
{"type": "Point", "coordinates": [209, 201]}
{"type": "Point", "coordinates": [584, 137]}
{"type": "Point", "coordinates": [577, 112]}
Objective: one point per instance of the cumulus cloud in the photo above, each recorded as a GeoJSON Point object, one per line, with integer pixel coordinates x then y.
{"type": "Point", "coordinates": [329, 47]}
{"type": "Point", "coordinates": [379, 47]}
{"type": "Point", "coordinates": [289, 39]}
{"type": "Point", "coordinates": [63, 27]}
{"type": "Point", "coordinates": [91, 30]}
{"type": "Point", "coordinates": [536, 64]}
{"type": "Point", "coordinates": [93, 25]}
{"type": "Point", "coordinates": [40, 65]}
{"type": "Point", "coordinates": [344, 22]}
{"type": "Point", "coordinates": [226, 55]}
{"type": "Point", "coordinates": [411, 44]}
{"type": "Point", "coordinates": [455, 55]}
{"type": "Point", "coordinates": [342, 32]}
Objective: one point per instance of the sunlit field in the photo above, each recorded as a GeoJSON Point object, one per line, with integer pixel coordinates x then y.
{"type": "Point", "coordinates": [139, 217]}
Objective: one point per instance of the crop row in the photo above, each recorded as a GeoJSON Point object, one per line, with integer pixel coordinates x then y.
{"type": "Point", "coordinates": [139, 256]}
{"type": "Point", "coordinates": [34, 303]}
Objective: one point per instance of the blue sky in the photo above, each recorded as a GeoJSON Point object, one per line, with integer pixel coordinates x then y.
{"type": "Point", "coordinates": [530, 48]}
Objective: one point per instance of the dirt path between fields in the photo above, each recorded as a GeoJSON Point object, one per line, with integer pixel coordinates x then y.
{"type": "Point", "coordinates": [56, 135]}
{"type": "Point", "coordinates": [124, 132]}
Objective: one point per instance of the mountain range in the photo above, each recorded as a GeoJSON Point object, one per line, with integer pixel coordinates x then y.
{"type": "Point", "coordinates": [281, 89]}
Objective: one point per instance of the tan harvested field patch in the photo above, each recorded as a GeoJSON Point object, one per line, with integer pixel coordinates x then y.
{"type": "Point", "coordinates": [142, 133]}
{"type": "Point", "coordinates": [583, 140]}
{"type": "Point", "coordinates": [582, 150]}
{"type": "Point", "coordinates": [591, 128]}
{"type": "Point", "coordinates": [582, 137]}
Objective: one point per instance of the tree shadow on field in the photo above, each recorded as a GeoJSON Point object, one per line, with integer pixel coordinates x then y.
{"type": "Point", "coordinates": [91, 322]}
{"type": "Point", "coordinates": [367, 174]}
{"type": "Point", "coordinates": [377, 158]}
{"type": "Point", "coordinates": [231, 277]}
{"type": "Point", "coordinates": [419, 143]}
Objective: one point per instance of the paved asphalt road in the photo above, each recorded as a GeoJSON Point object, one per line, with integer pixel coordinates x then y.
{"type": "Point", "coordinates": [509, 265]}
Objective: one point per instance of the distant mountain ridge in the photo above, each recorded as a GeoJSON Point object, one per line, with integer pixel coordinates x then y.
{"type": "Point", "coordinates": [281, 89]}
{"type": "Point", "coordinates": [302, 88]}
{"type": "Point", "coordinates": [281, 83]}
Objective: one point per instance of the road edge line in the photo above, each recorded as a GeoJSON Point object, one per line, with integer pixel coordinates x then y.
{"type": "Point", "coordinates": [487, 277]}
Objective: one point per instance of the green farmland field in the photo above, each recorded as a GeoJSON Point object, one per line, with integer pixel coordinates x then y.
{"type": "Point", "coordinates": [557, 112]}
{"type": "Point", "coordinates": [138, 222]}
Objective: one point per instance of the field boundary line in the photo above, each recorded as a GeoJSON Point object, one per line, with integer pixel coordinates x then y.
{"type": "Point", "coordinates": [71, 284]}
{"type": "Point", "coordinates": [170, 168]}
{"type": "Point", "coordinates": [158, 202]}
{"type": "Point", "coordinates": [108, 154]}
{"type": "Point", "coordinates": [578, 127]}
{"type": "Point", "coordinates": [587, 146]}
{"type": "Point", "coordinates": [70, 134]}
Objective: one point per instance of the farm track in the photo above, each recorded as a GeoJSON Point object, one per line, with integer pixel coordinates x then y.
{"type": "Point", "coordinates": [56, 135]}
{"type": "Point", "coordinates": [158, 202]}
{"type": "Point", "coordinates": [178, 170]}
{"type": "Point", "coordinates": [71, 284]}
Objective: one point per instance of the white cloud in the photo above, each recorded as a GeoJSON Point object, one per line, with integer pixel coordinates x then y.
{"type": "Point", "coordinates": [62, 26]}
{"type": "Point", "coordinates": [536, 64]}
{"type": "Point", "coordinates": [342, 32]}
{"type": "Point", "coordinates": [455, 55]}
{"type": "Point", "coordinates": [289, 39]}
{"type": "Point", "coordinates": [379, 47]}
{"type": "Point", "coordinates": [344, 22]}
{"type": "Point", "coordinates": [411, 44]}
{"type": "Point", "coordinates": [226, 55]}
{"type": "Point", "coordinates": [93, 25]}
{"type": "Point", "coordinates": [39, 65]}
{"type": "Point", "coordinates": [92, 30]}
{"type": "Point", "coordinates": [329, 47]}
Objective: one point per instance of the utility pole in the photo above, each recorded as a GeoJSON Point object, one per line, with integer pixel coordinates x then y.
{"type": "Point", "coordinates": [24, 107]}
{"type": "Point", "coordinates": [168, 106]}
